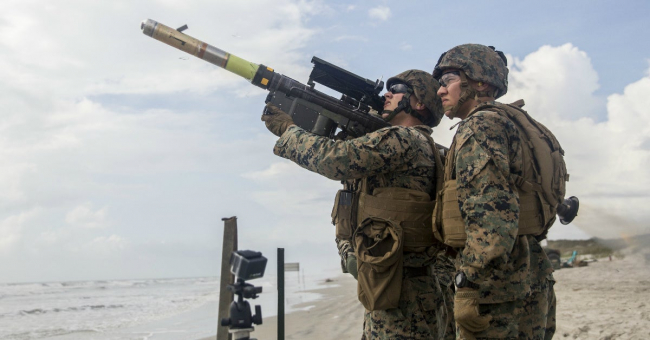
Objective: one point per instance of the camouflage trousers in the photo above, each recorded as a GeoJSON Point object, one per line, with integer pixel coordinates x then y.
{"type": "Point", "coordinates": [532, 318]}
{"type": "Point", "coordinates": [426, 311]}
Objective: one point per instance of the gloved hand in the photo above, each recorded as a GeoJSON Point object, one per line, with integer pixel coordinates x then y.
{"type": "Point", "coordinates": [466, 312]}
{"type": "Point", "coordinates": [276, 120]}
{"type": "Point", "coordinates": [351, 265]}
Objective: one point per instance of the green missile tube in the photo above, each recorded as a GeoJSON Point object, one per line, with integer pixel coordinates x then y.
{"type": "Point", "coordinates": [207, 52]}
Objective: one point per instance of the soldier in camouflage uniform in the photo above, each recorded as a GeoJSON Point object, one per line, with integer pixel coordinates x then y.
{"type": "Point", "coordinates": [401, 156]}
{"type": "Point", "coordinates": [504, 280]}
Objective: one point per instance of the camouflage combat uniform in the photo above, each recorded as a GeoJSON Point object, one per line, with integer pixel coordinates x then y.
{"type": "Point", "coordinates": [395, 156]}
{"type": "Point", "coordinates": [513, 272]}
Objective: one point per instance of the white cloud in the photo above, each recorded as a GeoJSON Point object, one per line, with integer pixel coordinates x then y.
{"type": "Point", "coordinates": [87, 118]}
{"type": "Point", "coordinates": [59, 61]}
{"type": "Point", "coordinates": [83, 216]}
{"type": "Point", "coordinates": [444, 133]}
{"type": "Point", "coordinates": [48, 238]}
{"type": "Point", "coordinates": [296, 201]}
{"type": "Point", "coordinates": [103, 248]}
{"type": "Point", "coordinates": [105, 245]}
{"type": "Point", "coordinates": [12, 174]}
{"type": "Point", "coordinates": [380, 13]}
{"type": "Point", "coordinates": [558, 82]}
{"type": "Point", "coordinates": [11, 229]}
{"type": "Point", "coordinates": [52, 122]}
{"type": "Point", "coordinates": [274, 172]}
{"type": "Point", "coordinates": [405, 46]}
{"type": "Point", "coordinates": [607, 160]}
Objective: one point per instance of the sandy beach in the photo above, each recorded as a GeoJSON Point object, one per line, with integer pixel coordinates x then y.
{"type": "Point", "coordinates": [605, 300]}
{"type": "Point", "coordinates": [339, 315]}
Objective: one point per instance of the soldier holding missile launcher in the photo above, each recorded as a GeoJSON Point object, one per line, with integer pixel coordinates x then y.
{"type": "Point", "coordinates": [404, 278]}
{"type": "Point", "coordinates": [393, 169]}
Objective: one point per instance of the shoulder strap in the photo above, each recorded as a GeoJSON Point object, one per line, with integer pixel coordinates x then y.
{"type": "Point", "coordinates": [438, 160]}
{"type": "Point", "coordinates": [524, 183]}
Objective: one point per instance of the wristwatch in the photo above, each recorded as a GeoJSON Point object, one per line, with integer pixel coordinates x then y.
{"type": "Point", "coordinates": [461, 281]}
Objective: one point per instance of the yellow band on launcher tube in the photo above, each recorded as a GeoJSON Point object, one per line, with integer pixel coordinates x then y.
{"type": "Point", "coordinates": [241, 67]}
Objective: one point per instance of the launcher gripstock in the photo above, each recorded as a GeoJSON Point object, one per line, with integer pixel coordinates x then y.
{"type": "Point", "coordinates": [310, 109]}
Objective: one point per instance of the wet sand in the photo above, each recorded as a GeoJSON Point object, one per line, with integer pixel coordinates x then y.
{"type": "Point", "coordinates": [338, 315]}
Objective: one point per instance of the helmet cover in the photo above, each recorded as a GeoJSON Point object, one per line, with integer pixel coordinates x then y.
{"type": "Point", "coordinates": [425, 88]}
{"type": "Point", "coordinates": [479, 63]}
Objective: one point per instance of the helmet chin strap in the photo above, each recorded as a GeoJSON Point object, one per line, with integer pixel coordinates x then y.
{"type": "Point", "coordinates": [468, 92]}
{"type": "Point", "coordinates": [403, 105]}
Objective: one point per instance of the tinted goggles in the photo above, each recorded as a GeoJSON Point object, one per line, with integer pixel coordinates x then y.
{"type": "Point", "coordinates": [399, 88]}
{"type": "Point", "coordinates": [448, 78]}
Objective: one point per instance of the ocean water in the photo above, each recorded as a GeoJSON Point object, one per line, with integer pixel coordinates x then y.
{"type": "Point", "coordinates": [157, 309]}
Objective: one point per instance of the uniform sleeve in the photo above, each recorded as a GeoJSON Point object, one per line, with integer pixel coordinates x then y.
{"type": "Point", "coordinates": [489, 204]}
{"type": "Point", "coordinates": [381, 151]}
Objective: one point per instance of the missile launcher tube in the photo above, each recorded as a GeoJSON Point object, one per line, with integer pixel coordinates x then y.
{"type": "Point", "coordinates": [199, 49]}
{"type": "Point", "coordinates": [259, 75]}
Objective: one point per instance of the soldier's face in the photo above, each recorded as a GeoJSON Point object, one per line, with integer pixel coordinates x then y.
{"type": "Point", "coordinates": [392, 100]}
{"type": "Point", "coordinates": [449, 94]}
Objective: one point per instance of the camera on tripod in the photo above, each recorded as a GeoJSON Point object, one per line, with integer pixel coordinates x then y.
{"type": "Point", "coordinates": [245, 265]}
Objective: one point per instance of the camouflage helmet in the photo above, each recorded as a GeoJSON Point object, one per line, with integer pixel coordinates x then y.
{"type": "Point", "coordinates": [425, 88]}
{"type": "Point", "coordinates": [479, 63]}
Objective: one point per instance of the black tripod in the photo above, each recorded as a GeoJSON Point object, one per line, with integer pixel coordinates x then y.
{"type": "Point", "coordinates": [240, 320]}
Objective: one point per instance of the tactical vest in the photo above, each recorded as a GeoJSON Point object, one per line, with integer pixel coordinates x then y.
{"type": "Point", "coordinates": [410, 209]}
{"type": "Point", "coordinates": [389, 222]}
{"type": "Point", "coordinates": [541, 187]}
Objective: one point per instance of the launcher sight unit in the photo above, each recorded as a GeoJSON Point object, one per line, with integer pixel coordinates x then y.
{"type": "Point", "coordinates": [310, 109]}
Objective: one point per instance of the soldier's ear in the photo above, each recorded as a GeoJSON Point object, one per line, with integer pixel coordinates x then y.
{"type": "Point", "coordinates": [481, 86]}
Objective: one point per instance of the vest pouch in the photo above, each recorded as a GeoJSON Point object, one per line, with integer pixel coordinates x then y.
{"type": "Point", "coordinates": [453, 225]}
{"type": "Point", "coordinates": [344, 214]}
{"type": "Point", "coordinates": [436, 222]}
{"type": "Point", "coordinates": [378, 246]}
{"type": "Point", "coordinates": [531, 214]}
{"type": "Point", "coordinates": [409, 208]}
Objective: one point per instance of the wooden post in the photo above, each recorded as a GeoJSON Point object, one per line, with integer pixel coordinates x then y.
{"type": "Point", "coordinates": [225, 296]}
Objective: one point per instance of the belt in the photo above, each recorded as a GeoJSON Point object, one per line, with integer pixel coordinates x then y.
{"type": "Point", "coordinates": [416, 271]}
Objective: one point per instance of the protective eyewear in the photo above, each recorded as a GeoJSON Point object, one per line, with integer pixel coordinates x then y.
{"type": "Point", "coordinates": [449, 77]}
{"type": "Point", "coordinates": [399, 88]}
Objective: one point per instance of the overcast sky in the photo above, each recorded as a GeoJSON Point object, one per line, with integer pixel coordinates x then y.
{"type": "Point", "coordinates": [120, 155]}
